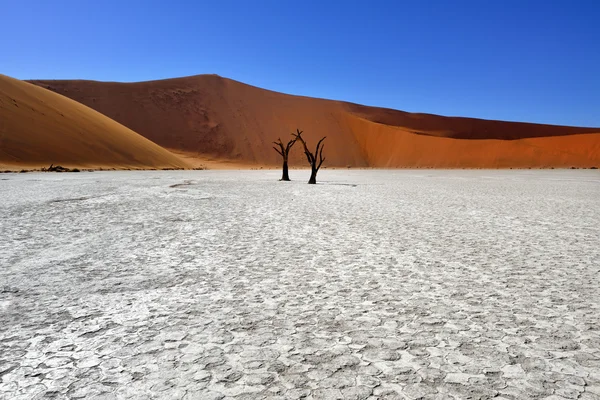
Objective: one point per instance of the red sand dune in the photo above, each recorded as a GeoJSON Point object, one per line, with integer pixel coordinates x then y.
{"type": "Point", "coordinates": [218, 118]}
{"type": "Point", "coordinates": [38, 128]}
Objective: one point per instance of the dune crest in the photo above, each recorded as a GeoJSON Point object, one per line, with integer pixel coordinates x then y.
{"type": "Point", "coordinates": [39, 128]}
{"type": "Point", "coordinates": [222, 119]}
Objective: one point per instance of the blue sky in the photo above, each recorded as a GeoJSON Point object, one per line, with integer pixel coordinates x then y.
{"type": "Point", "coordinates": [535, 61]}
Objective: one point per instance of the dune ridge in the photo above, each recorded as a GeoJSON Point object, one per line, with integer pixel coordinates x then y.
{"type": "Point", "coordinates": [221, 119]}
{"type": "Point", "coordinates": [39, 128]}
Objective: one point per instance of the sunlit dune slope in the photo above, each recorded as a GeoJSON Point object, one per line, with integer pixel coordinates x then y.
{"type": "Point", "coordinates": [387, 147]}
{"type": "Point", "coordinates": [223, 119]}
{"type": "Point", "coordinates": [38, 128]}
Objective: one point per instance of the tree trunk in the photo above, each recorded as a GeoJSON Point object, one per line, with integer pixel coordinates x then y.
{"type": "Point", "coordinates": [313, 177]}
{"type": "Point", "coordinates": [285, 176]}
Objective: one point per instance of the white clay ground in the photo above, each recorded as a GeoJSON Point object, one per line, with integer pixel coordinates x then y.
{"type": "Point", "coordinates": [370, 285]}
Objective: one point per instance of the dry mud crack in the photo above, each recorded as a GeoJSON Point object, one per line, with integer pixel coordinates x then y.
{"type": "Point", "coordinates": [374, 285]}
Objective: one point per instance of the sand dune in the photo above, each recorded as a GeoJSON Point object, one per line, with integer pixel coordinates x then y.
{"type": "Point", "coordinates": [221, 119]}
{"type": "Point", "coordinates": [38, 127]}
{"type": "Point", "coordinates": [387, 147]}
{"type": "Point", "coordinates": [460, 127]}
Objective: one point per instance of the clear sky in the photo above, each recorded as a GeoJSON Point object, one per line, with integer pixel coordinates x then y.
{"type": "Point", "coordinates": [520, 60]}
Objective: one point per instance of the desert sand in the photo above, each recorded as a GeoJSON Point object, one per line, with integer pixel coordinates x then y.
{"type": "Point", "coordinates": [223, 120]}
{"type": "Point", "coordinates": [39, 128]}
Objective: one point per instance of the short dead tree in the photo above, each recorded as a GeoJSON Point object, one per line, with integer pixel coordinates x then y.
{"type": "Point", "coordinates": [284, 151]}
{"type": "Point", "coordinates": [314, 159]}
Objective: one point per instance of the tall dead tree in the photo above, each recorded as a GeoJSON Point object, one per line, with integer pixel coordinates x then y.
{"type": "Point", "coordinates": [284, 151]}
{"type": "Point", "coordinates": [315, 164]}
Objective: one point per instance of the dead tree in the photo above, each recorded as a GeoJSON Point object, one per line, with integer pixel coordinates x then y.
{"type": "Point", "coordinates": [284, 151]}
{"type": "Point", "coordinates": [315, 164]}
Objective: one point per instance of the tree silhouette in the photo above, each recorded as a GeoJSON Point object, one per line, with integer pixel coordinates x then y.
{"type": "Point", "coordinates": [284, 151]}
{"type": "Point", "coordinates": [315, 164]}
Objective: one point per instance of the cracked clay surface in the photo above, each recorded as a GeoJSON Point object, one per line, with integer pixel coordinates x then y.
{"type": "Point", "coordinates": [370, 285]}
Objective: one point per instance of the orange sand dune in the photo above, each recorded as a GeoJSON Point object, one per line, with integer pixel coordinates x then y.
{"type": "Point", "coordinates": [222, 119]}
{"type": "Point", "coordinates": [462, 128]}
{"type": "Point", "coordinates": [38, 127]}
{"type": "Point", "coordinates": [387, 147]}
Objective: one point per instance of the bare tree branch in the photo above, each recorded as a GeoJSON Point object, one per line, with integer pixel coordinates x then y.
{"type": "Point", "coordinates": [277, 150]}
{"type": "Point", "coordinates": [298, 136]}
{"type": "Point", "coordinates": [319, 144]}
{"type": "Point", "coordinates": [290, 144]}
{"type": "Point", "coordinates": [321, 158]}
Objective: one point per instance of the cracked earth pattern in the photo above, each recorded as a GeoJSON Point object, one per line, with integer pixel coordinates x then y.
{"type": "Point", "coordinates": [370, 285]}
